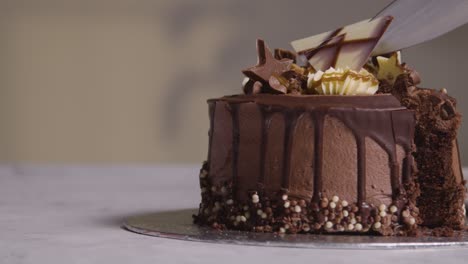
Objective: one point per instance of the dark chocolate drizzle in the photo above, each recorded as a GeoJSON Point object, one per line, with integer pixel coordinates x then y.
{"type": "Point", "coordinates": [266, 114]}
{"type": "Point", "coordinates": [290, 120]}
{"type": "Point", "coordinates": [211, 112]}
{"type": "Point", "coordinates": [235, 144]}
{"type": "Point", "coordinates": [375, 124]}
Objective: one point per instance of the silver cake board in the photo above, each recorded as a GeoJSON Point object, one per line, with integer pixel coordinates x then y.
{"type": "Point", "coordinates": [178, 225]}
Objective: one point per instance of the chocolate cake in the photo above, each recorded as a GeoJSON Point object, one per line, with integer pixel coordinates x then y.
{"type": "Point", "coordinates": [317, 146]}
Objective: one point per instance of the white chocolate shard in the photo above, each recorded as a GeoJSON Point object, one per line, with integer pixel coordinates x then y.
{"type": "Point", "coordinates": [349, 46]}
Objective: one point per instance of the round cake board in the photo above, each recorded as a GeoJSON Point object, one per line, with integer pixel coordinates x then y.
{"type": "Point", "coordinates": [178, 225]}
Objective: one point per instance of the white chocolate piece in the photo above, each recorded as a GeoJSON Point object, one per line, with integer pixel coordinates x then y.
{"type": "Point", "coordinates": [325, 49]}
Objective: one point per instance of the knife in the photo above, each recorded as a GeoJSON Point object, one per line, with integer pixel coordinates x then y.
{"type": "Point", "coordinates": [417, 21]}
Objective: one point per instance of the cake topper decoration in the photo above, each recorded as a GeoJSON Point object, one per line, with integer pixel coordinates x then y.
{"type": "Point", "coordinates": [267, 65]}
{"type": "Point", "coordinates": [349, 46]}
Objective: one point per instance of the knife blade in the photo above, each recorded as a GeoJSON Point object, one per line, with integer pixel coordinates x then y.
{"type": "Point", "coordinates": [418, 21]}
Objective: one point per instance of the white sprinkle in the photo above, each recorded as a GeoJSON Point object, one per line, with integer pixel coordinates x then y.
{"type": "Point", "coordinates": [259, 212]}
{"type": "Point", "coordinates": [297, 209]}
{"type": "Point", "coordinates": [358, 227]}
{"type": "Point", "coordinates": [284, 197]}
{"type": "Point", "coordinates": [238, 218]}
{"type": "Point", "coordinates": [444, 90]}
{"type": "Point", "coordinates": [243, 218]}
{"type": "Point", "coordinates": [203, 174]}
{"type": "Point", "coordinates": [464, 209]}
{"type": "Point", "coordinates": [341, 228]}
{"type": "Point", "coordinates": [393, 209]}
{"type": "Point", "coordinates": [229, 202]}
{"type": "Point", "coordinates": [245, 81]}
{"type": "Point", "coordinates": [282, 230]}
{"type": "Point", "coordinates": [383, 214]}
{"type": "Point", "coordinates": [351, 227]}
{"type": "Point", "coordinates": [332, 205]}
{"type": "Point", "coordinates": [223, 190]}
{"type": "Point", "coordinates": [382, 207]}
{"type": "Point", "coordinates": [263, 216]}
{"type": "Point", "coordinates": [344, 203]}
{"type": "Point", "coordinates": [213, 188]}
{"type": "Point", "coordinates": [412, 221]}
{"type": "Point", "coordinates": [377, 225]}
{"type": "Point", "coordinates": [255, 198]}
{"type": "Point", "coordinates": [345, 213]}
{"type": "Point", "coordinates": [328, 225]}
{"type": "Point", "coordinates": [246, 207]}
{"type": "Point", "coordinates": [335, 199]}
{"type": "Point", "coordinates": [286, 204]}
{"type": "Point", "coordinates": [306, 228]}
{"type": "Point", "coordinates": [353, 221]}
{"type": "Point", "coordinates": [406, 213]}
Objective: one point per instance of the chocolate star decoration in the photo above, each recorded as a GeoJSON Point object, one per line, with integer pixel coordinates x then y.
{"type": "Point", "coordinates": [267, 65]}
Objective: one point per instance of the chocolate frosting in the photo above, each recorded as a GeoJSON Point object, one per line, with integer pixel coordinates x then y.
{"type": "Point", "coordinates": [273, 126]}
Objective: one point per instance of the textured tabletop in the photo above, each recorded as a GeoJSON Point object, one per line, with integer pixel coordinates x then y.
{"type": "Point", "coordinates": [73, 215]}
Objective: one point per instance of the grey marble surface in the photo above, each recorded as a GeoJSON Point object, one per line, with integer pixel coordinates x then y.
{"type": "Point", "coordinates": [72, 214]}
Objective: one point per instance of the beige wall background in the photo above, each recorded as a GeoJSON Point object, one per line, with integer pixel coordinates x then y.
{"type": "Point", "coordinates": [126, 81]}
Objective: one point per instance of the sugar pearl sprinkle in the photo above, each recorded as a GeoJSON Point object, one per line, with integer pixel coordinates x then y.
{"type": "Point", "coordinates": [328, 225]}
{"type": "Point", "coordinates": [230, 202]}
{"type": "Point", "coordinates": [345, 213]}
{"type": "Point", "coordinates": [377, 225]}
{"type": "Point", "coordinates": [350, 227]}
{"type": "Point", "coordinates": [382, 207]}
{"type": "Point", "coordinates": [335, 199]}
{"type": "Point", "coordinates": [259, 212]}
{"type": "Point", "coordinates": [411, 221]}
{"type": "Point", "coordinates": [406, 213]}
{"type": "Point", "coordinates": [282, 230]}
{"type": "Point", "coordinates": [383, 214]}
{"type": "Point", "coordinates": [344, 203]}
{"type": "Point", "coordinates": [393, 209]}
{"type": "Point", "coordinates": [264, 216]}
{"type": "Point", "coordinates": [332, 205]}
{"type": "Point", "coordinates": [284, 197]}
{"type": "Point", "coordinates": [306, 228]}
{"type": "Point", "coordinates": [358, 227]}
{"type": "Point", "coordinates": [297, 209]}
{"type": "Point", "coordinates": [255, 198]}
{"type": "Point", "coordinates": [203, 174]}
{"type": "Point", "coordinates": [287, 204]}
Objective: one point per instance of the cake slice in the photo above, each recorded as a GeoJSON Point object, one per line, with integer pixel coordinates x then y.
{"type": "Point", "coordinates": [439, 176]}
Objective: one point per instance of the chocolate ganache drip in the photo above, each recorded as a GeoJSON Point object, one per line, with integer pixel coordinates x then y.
{"type": "Point", "coordinates": [380, 118]}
